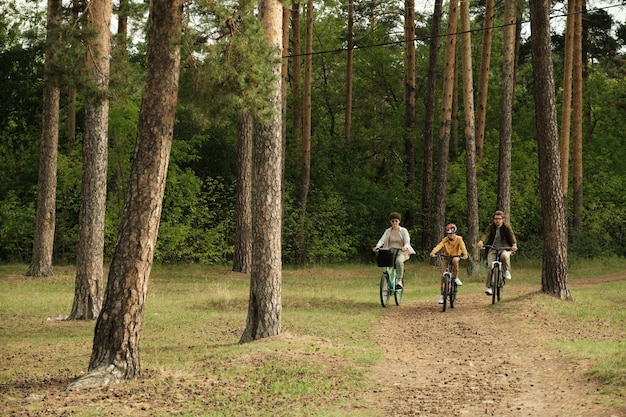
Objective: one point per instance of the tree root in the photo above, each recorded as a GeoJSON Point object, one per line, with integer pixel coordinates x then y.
{"type": "Point", "coordinates": [104, 375]}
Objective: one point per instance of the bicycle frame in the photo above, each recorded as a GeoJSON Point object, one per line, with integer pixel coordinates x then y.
{"type": "Point", "coordinates": [496, 276]}
{"type": "Point", "coordinates": [388, 283]}
{"type": "Point", "coordinates": [448, 284]}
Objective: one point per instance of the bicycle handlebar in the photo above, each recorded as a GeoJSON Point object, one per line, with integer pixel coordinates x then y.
{"type": "Point", "coordinates": [451, 256]}
{"type": "Point", "coordinates": [507, 248]}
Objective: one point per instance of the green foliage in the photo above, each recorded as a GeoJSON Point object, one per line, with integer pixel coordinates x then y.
{"type": "Point", "coordinates": [354, 184]}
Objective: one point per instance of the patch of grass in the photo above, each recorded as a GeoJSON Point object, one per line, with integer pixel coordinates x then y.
{"type": "Point", "coordinates": [592, 328]}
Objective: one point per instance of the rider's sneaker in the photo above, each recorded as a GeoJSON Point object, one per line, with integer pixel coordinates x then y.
{"type": "Point", "coordinates": [489, 291]}
{"type": "Point", "coordinates": [399, 285]}
{"type": "Point", "coordinates": [458, 281]}
{"type": "Point", "coordinates": [507, 274]}
{"type": "Point", "coordinates": [441, 299]}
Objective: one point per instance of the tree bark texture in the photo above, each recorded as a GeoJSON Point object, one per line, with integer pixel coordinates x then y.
{"type": "Point", "coordinates": [349, 61]}
{"type": "Point", "coordinates": [577, 122]}
{"type": "Point", "coordinates": [446, 122]}
{"type": "Point", "coordinates": [115, 354]}
{"type": "Point", "coordinates": [43, 242]}
{"type": "Point", "coordinates": [305, 161]}
{"type": "Point", "coordinates": [506, 117]}
{"type": "Point", "coordinates": [88, 291]}
{"type": "Point", "coordinates": [566, 109]}
{"type": "Point", "coordinates": [409, 106]}
{"type": "Point", "coordinates": [428, 239]}
{"type": "Point", "coordinates": [296, 77]}
{"type": "Point", "coordinates": [243, 234]}
{"type": "Point", "coordinates": [554, 220]}
{"type": "Point", "coordinates": [483, 86]}
{"type": "Point", "coordinates": [264, 306]}
{"type": "Point", "coordinates": [470, 138]}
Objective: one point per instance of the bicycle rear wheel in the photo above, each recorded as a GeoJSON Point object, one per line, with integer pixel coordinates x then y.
{"type": "Point", "coordinates": [495, 273]}
{"type": "Point", "coordinates": [385, 289]}
{"type": "Point", "coordinates": [453, 294]}
{"type": "Point", "coordinates": [397, 294]}
{"type": "Point", "coordinates": [446, 285]}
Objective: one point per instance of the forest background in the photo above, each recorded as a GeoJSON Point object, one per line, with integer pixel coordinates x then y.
{"type": "Point", "coordinates": [354, 182]}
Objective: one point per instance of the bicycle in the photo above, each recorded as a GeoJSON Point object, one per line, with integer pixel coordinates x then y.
{"type": "Point", "coordinates": [448, 283]}
{"type": "Point", "coordinates": [387, 258]}
{"type": "Point", "coordinates": [496, 276]}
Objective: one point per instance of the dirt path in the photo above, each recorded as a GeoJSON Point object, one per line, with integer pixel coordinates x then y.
{"type": "Point", "coordinates": [500, 364]}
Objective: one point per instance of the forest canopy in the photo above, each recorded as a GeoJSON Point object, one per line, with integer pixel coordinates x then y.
{"type": "Point", "coordinates": [354, 183]}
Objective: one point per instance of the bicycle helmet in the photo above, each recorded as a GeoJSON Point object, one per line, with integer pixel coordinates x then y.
{"type": "Point", "coordinates": [451, 228]}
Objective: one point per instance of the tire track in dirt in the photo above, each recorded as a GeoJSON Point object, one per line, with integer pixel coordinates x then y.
{"type": "Point", "coordinates": [477, 360]}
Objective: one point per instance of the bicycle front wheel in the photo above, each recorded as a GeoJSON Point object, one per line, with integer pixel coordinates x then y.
{"type": "Point", "coordinates": [495, 273]}
{"type": "Point", "coordinates": [453, 294]}
{"type": "Point", "coordinates": [385, 289]}
{"type": "Point", "coordinates": [397, 294]}
{"type": "Point", "coordinates": [446, 286]}
{"type": "Point", "coordinates": [499, 286]}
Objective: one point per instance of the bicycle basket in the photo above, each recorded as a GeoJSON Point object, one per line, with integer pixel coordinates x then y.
{"type": "Point", "coordinates": [384, 257]}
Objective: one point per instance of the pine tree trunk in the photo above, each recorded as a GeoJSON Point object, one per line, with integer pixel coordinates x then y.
{"type": "Point", "coordinates": [554, 220]}
{"type": "Point", "coordinates": [446, 115]}
{"type": "Point", "coordinates": [115, 354]}
{"type": "Point", "coordinates": [409, 106]}
{"type": "Point", "coordinates": [577, 151]}
{"type": "Point", "coordinates": [349, 60]}
{"type": "Point", "coordinates": [470, 139]}
{"type": "Point", "coordinates": [243, 234]}
{"type": "Point", "coordinates": [506, 116]}
{"type": "Point", "coordinates": [483, 87]}
{"type": "Point", "coordinates": [90, 252]}
{"type": "Point", "coordinates": [566, 109]}
{"type": "Point", "coordinates": [43, 242]}
{"type": "Point", "coordinates": [428, 239]}
{"type": "Point", "coordinates": [264, 306]}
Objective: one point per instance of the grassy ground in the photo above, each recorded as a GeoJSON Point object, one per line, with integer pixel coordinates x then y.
{"type": "Point", "coordinates": [195, 316]}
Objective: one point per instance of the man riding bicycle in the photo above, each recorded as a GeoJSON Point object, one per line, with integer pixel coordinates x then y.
{"type": "Point", "coordinates": [452, 245]}
{"type": "Point", "coordinates": [499, 235]}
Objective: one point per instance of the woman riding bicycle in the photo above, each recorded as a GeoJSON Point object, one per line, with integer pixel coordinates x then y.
{"type": "Point", "coordinates": [452, 245]}
{"type": "Point", "coordinates": [396, 237]}
{"type": "Point", "coordinates": [499, 235]}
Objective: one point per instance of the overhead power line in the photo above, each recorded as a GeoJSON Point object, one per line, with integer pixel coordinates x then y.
{"type": "Point", "coordinates": [427, 38]}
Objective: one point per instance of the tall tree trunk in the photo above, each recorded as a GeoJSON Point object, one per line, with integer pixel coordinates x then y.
{"type": "Point", "coordinates": [305, 161]}
{"type": "Point", "coordinates": [566, 109]}
{"type": "Point", "coordinates": [506, 116]}
{"type": "Point", "coordinates": [296, 78]}
{"type": "Point", "coordinates": [349, 61]}
{"type": "Point", "coordinates": [264, 306]}
{"type": "Point", "coordinates": [90, 252]}
{"type": "Point", "coordinates": [115, 355]}
{"type": "Point", "coordinates": [453, 154]}
{"type": "Point", "coordinates": [554, 216]}
{"type": "Point", "coordinates": [470, 139]}
{"type": "Point", "coordinates": [428, 238]}
{"type": "Point", "coordinates": [446, 114]}
{"type": "Point", "coordinates": [483, 86]}
{"type": "Point", "coordinates": [43, 242]}
{"type": "Point", "coordinates": [577, 151]}
{"type": "Point", "coordinates": [242, 261]}
{"type": "Point", "coordinates": [409, 107]}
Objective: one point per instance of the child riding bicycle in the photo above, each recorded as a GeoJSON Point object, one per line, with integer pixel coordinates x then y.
{"type": "Point", "coordinates": [452, 245]}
